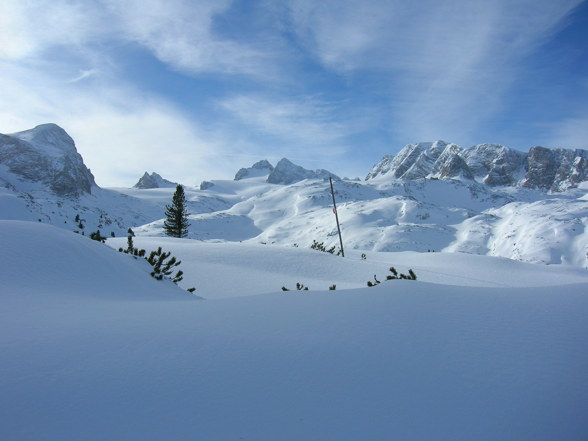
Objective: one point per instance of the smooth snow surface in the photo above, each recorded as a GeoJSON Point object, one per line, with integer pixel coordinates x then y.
{"type": "Point", "coordinates": [92, 348]}
{"type": "Point", "coordinates": [223, 269]}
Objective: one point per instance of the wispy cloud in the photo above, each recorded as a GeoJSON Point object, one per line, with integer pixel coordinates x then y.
{"type": "Point", "coordinates": [181, 33]}
{"type": "Point", "coordinates": [83, 74]}
{"type": "Point", "coordinates": [307, 119]}
{"type": "Point", "coordinates": [449, 63]}
{"type": "Point", "coordinates": [27, 27]}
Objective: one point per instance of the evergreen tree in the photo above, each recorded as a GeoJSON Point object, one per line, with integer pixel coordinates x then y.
{"type": "Point", "coordinates": [176, 223]}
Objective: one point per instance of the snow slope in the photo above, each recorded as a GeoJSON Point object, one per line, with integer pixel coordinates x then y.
{"type": "Point", "coordinates": [41, 260]}
{"type": "Point", "coordinates": [92, 348]}
{"type": "Point", "coordinates": [224, 269]}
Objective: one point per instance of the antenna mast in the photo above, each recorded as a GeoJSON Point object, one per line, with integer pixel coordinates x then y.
{"type": "Point", "coordinates": [336, 216]}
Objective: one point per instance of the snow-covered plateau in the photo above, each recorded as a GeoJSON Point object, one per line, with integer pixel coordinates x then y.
{"type": "Point", "coordinates": [489, 343]}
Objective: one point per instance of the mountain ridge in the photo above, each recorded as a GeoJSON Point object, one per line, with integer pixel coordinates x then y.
{"type": "Point", "coordinates": [445, 206]}
{"type": "Point", "coordinates": [553, 170]}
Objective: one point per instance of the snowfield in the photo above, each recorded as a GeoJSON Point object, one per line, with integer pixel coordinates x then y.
{"type": "Point", "coordinates": [93, 348]}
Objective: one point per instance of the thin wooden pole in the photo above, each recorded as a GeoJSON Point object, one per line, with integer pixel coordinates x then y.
{"type": "Point", "coordinates": [336, 216]}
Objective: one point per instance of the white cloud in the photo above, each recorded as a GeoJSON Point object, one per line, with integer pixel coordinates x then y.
{"type": "Point", "coordinates": [27, 27]}
{"type": "Point", "coordinates": [449, 63]}
{"type": "Point", "coordinates": [181, 33]}
{"type": "Point", "coordinates": [120, 146]}
{"type": "Point", "coordinates": [118, 130]}
{"type": "Point", "coordinates": [306, 120]}
{"type": "Point", "coordinates": [83, 74]}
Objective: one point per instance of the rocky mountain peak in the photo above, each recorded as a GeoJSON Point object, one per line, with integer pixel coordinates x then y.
{"type": "Point", "coordinates": [153, 180]}
{"type": "Point", "coordinates": [47, 135]}
{"type": "Point", "coordinates": [260, 168]}
{"type": "Point", "coordinates": [47, 154]}
{"type": "Point", "coordinates": [556, 169]}
{"type": "Point", "coordinates": [424, 159]}
{"type": "Point", "coordinates": [287, 172]}
{"type": "Point", "coordinates": [490, 164]}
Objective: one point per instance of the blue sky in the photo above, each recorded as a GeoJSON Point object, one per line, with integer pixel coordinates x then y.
{"type": "Point", "coordinates": [195, 90]}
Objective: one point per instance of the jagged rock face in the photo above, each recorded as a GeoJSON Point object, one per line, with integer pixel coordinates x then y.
{"type": "Point", "coordinates": [555, 170]}
{"type": "Point", "coordinates": [286, 173]}
{"type": "Point", "coordinates": [47, 154]}
{"type": "Point", "coordinates": [495, 164]}
{"type": "Point", "coordinates": [426, 159]}
{"type": "Point", "coordinates": [541, 168]}
{"type": "Point", "coordinates": [424, 164]}
{"type": "Point", "coordinates": [455, 167]}
{"type": "Point", "coordinates": [491, 164]}
{"type": "Point", "coordinates": [398, 165]}
{"type": "Point", "coordinates": [572, 170]}
{"type": "Point", "coordinates": [382, 167]}
{"type": "Point", "coordinates": [260, 168]}
{"type": "Point", "coordinates": [153, 180]}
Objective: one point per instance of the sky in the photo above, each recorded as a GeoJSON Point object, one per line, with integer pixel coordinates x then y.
{"type": "Point", "coordinates": [195, 90]}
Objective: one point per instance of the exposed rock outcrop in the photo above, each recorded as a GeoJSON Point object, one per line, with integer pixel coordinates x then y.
{"type": "Point", "coordinates": [490, 164]}
{"type": "Point", "coordinates": [153, 180]}
{"type": "Point", "coordinates": [47, 154]}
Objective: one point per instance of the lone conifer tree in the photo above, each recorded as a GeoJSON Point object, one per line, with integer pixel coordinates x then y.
{"type": "Point", "coordinates": [176, 224]}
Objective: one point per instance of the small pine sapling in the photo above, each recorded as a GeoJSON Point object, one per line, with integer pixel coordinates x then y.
{"type": "Point", "coordinates": [319, 246]}
{"type": "Point", "coordinates": [97, 236]}
{"type": "Point", "coordinates": [130, 245]}
{"type": "Point", "coordinates": [299, 287]}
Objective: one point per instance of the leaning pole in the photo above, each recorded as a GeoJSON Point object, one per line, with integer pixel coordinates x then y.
{"type": "Point", "coordinates": [336, 216]}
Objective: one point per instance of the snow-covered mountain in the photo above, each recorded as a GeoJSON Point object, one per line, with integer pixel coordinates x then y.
{"type": "Point", "coordinates": [260, 168]}
{"type": "Point", "coordinates": [45, 155]}
{"type": "Point", "coordinates": [488, 199]}
{"type": "Point", "coordinates": [286, 173]}
{"type": "Point", "coordinates": [44, 179]}
{"type": "Point", "coordinates": [153, 180]}
{"type": "Point", "coordinates": [491, 164]}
